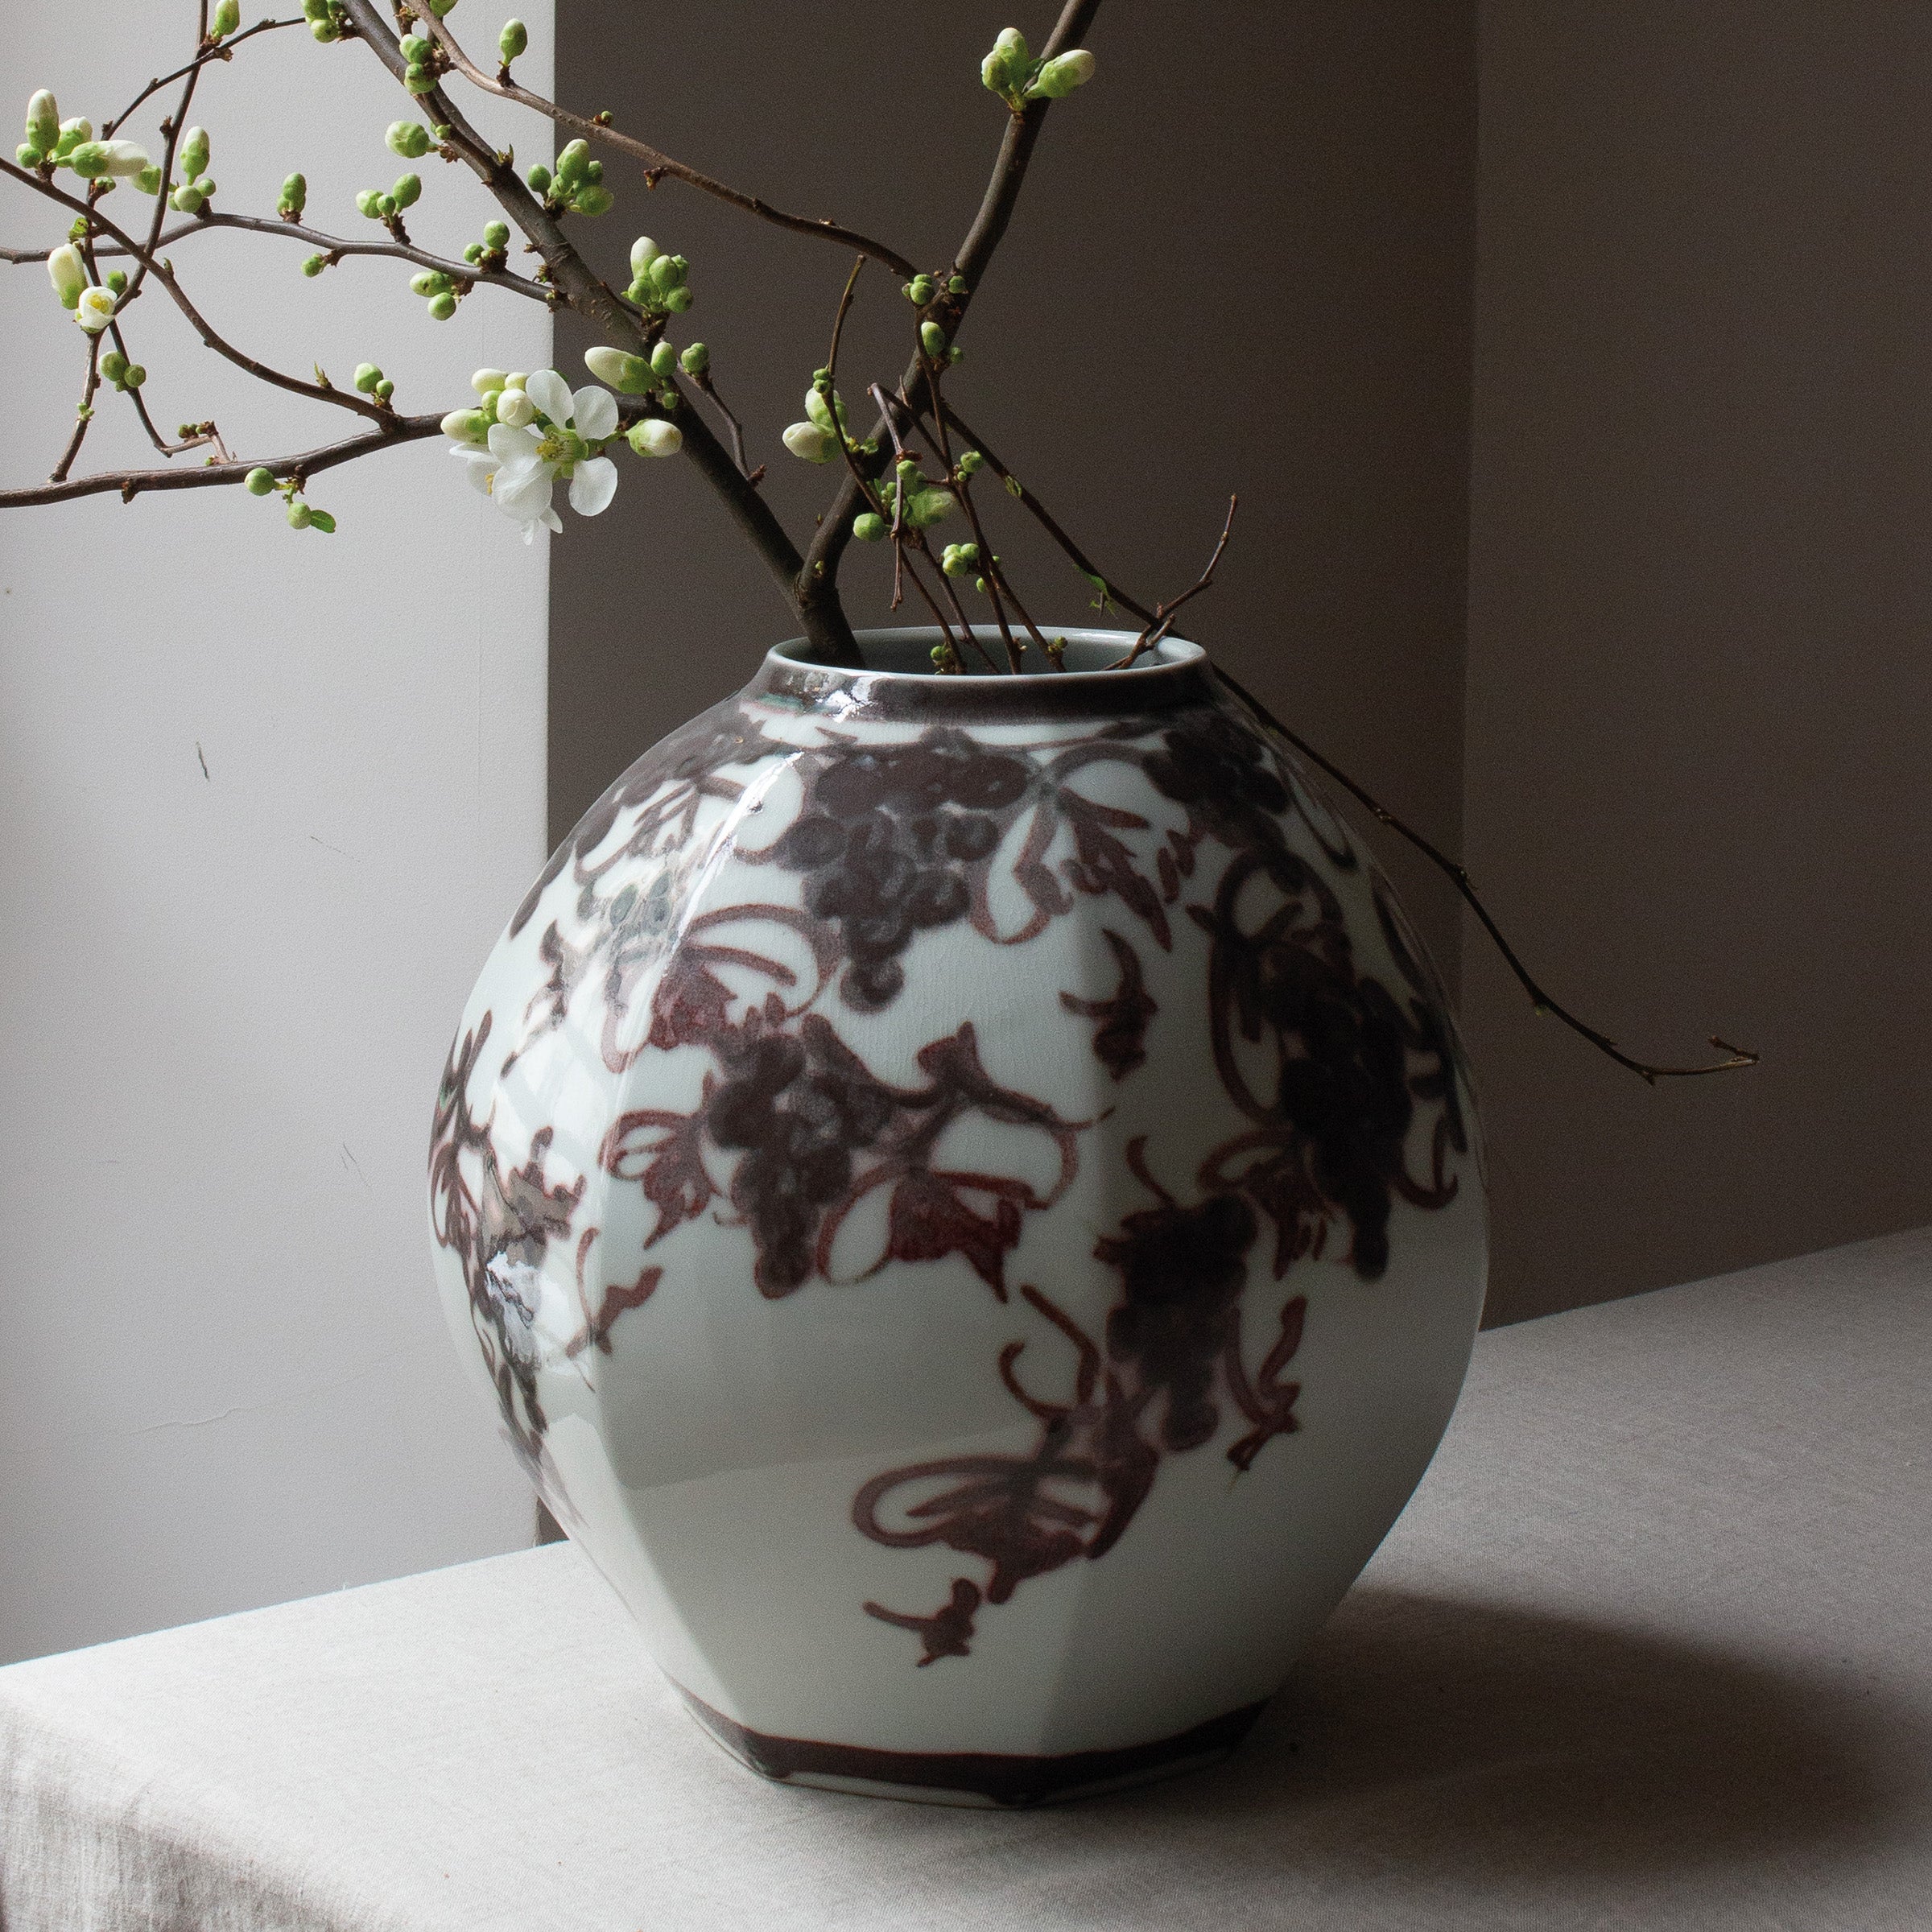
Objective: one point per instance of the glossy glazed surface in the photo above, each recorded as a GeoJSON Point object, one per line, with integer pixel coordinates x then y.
{"type": "Point", "coordinates": [964, 1192]}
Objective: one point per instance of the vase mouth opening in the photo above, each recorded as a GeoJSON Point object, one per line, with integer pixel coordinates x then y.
{"type": "Point", "coordinates": [905, 653]}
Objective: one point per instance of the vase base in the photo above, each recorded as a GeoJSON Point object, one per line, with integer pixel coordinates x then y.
{"type": "Point", "coordinates": [995, 1780]}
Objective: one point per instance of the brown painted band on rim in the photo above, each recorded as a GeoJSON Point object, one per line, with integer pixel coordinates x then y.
{"type": "Point", "coordinates": [999, 1777]}
{"type": "Point", "coordinates": [899, 685]}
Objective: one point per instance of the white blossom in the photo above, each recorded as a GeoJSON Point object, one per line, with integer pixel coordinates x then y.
{"type": "Point", "coordinates": [520, 463]}
{"type": "Point", "coordinates": [95, 309]}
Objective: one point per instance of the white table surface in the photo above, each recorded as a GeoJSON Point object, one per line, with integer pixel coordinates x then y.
{"type": "Point", "coordinates": [1649, 1648]}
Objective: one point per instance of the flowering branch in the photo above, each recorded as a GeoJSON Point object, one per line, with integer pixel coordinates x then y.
{"type": "Point", "coordinates": [657, 164]}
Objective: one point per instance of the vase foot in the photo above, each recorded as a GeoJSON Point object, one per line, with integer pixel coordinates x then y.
{"type": "Point", "coordinates": [995, 1780]}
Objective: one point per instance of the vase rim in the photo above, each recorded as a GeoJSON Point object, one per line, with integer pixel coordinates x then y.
{"type": "Point", "coordinates": [915, 642]}
{"type": "Point", "coordinates": [904, 688]}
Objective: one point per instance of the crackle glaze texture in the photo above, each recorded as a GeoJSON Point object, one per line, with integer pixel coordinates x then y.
{"type": "Point", "coordinates": [965, 1195]}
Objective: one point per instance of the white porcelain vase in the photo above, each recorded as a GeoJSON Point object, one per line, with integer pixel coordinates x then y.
{"type": "Point", "coordinates": [965, 1193]}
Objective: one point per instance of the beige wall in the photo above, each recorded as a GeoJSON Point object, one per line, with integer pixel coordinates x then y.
{"type": "Point", "coordinates": [1701, 572]}
{"type": "Point", "coordinates": [1242, 263]}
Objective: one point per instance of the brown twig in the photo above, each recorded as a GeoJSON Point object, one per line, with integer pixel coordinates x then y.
{"type": "Point", "coordinates": [1738, 1057]}
{"type": "Point", "coordinates": [224, 52]}
{"type": "Point", "coordinates": [1163, 621]}
{"type": "Point", "coordinates": [655, 162]}
{"type": "Point", "coordinates": [318, 392]}
{"type": "Point", "coordinates": [817, 581]}
{"type": "Point", "coordinates": [131, 483]}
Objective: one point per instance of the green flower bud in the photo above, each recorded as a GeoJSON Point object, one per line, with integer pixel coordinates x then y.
{"type": "Point", "coordinates": [664, 362]}
{"type": "Point", "coordinates": [369, 202]}
{"type": "Point", "coordinates": [28, 155]}
{"type": "Point", "coordinates": [407, 190]}
{"type": "Point", "coordinates": [652, 438]}
{"type": "Point", "coordinates": [149, 179]}
{"type": "Point", "coordinates": [442, 307]}
{"type": "Point", "coordinates": [512, 41]}
{"type": "Point", "coordinates": [516, 379]}
{"type": "Point", "coordinates": [325, 29]}
{"type": "Point", "coordinates": [72, 132]}
{"type": "Point", "coordinates": [1005, 66]}
{"type": "Point", "coordinates": [193, 152]}
{"type": "Point", "coordinates": [820, 411]}
{"type": "Point", "coordinates": [225, 18]}
{"type": "Point", "coordinates": [957, 285]}
{"type": "Point", "coordinates": [679, 300]}
{"type": "Point", "coordinates": [695, 360]}
{"type": "Point", "coordinates": [385, 206]}
{"type": "Point", "coordinates": [971, 463]}
{"type": "Point", "coordinates": [44, 121]}
{"type": "Point", "coordinates": [88, 160]}
{"type": "Point", "coordinates": [429, 282]}
{"type": "Point", "coordinates": [927, 507]}
{"type": "Point", "coordinates": [135, 377]}
{"type": "Point", "coordinates": [300, 516]}
{"type": "Point", "coordinates": [295, 198]}
{"type": "Point", "coordinates": [643, 251]}
{"type": "Point", "coordinates": [416, 49]}
{"type": "Point", "coordinates": [204, 187]}
{"type": "Point", "coordinates": [385, 389]}
{"type": "Point", "coordinates": [667, 272]}
{"type": "Point", "coordinates": [315, 265]}
{"type": "Point", "coordinates": [496, 236]}
{"type": "Point", "coordinates": [955, 354]}
{"type": "Point", "coordinates": [921, 290]}
{"type": "Point", "coordinates": [628, 373]}
{"type": "Point", "coordinates": [472, 251]}
{"type": "Point", "coordinates": [187, 200]}
{"type": "Point", "coordinates": [114, 366]}
{"type": "Point", "coordinates": [258, 481]}
{"type": "Point", "coordinates": [571, 161]}
{"type": "Point", "coordinates": [959, 559]}
{"type": "Point", "coordinates": [408, 139]}
{"type": "Point", "coordinates": [68, 272]}
{"type": "Point", "coordinates": [594, 200]}
{"type": "Point", "coordinates": [932, 338]}
{"type": "Point", "coordinates": [442, 8]}
{"type": "Point", "coordinates": [321, 520]}
{"type": "Point", "coordinates": [538, 178]}
{"type": "Point", "coordinates": [869, 526]}
{"type": "Point", "coordinates": [811, 443]}
{"type": "Point", "coordinates": [367, 377]}
{"type": "Point", "coordinates": [1061, 76]}
{"type": "Point", "coordinates": [116, 280]}
{"type": "Point", "coordinates": [420, 79]}
{"type": "Point", "coordinates": [487, 381]}
{"type": "Point", "coordinates": [465, 425]}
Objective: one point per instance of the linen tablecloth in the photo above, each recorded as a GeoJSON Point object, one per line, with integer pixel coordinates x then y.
{"type": "Point", "coordinates": [1652, 1647]}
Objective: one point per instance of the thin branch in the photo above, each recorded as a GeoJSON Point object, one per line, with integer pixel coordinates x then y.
{"type": "Point", "coordinates": [83, 415]}
{"type": "Point", "coordinates": [819, 578]}
{"type": "Point", "coordinates": [131, 483]}
{"type": "Point", "coordinates": [224, 52]}
{"type": "Point", "coordinates": [654, 161]}
{"type": "Point", "coordinates": [347, 399]}
{"type": "Point", "coordinates": [586, 294]}
{"type": "Point", "coordinates": [333, 245]}
{"type": "Point", "coordinates": [1737, 1057]}
{"type": "Point", "coordinates": [1044, 518]}
{"type": "Point", "coordinates": [1163, 621]}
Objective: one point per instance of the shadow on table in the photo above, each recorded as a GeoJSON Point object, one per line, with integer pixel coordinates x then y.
{"type": "Point", "coordinates": [1453, 1738]}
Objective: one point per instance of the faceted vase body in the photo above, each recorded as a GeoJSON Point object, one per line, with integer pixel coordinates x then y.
{"type": "Point", "coordinates": [966, 1194]}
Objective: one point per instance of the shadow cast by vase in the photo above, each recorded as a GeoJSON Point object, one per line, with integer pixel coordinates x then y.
{"type": "Point", "coordinates": [1452, 1738]}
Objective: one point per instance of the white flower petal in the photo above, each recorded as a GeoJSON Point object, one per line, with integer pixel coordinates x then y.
{"type": "Point", "coordinates": [524, 493]}
{"type": "Point", "coordinates": [551, 521]}
{"type": "Point", "coordinates": [551, 394]}
{"type": "Point", "coordinates": [479, 465]}
{"type": "Point", "coordinates": [593, 485]}
{"type": "Point", "coordinates": [508, 445]}
{"type": "Point", "coordinates": [595, 413]}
